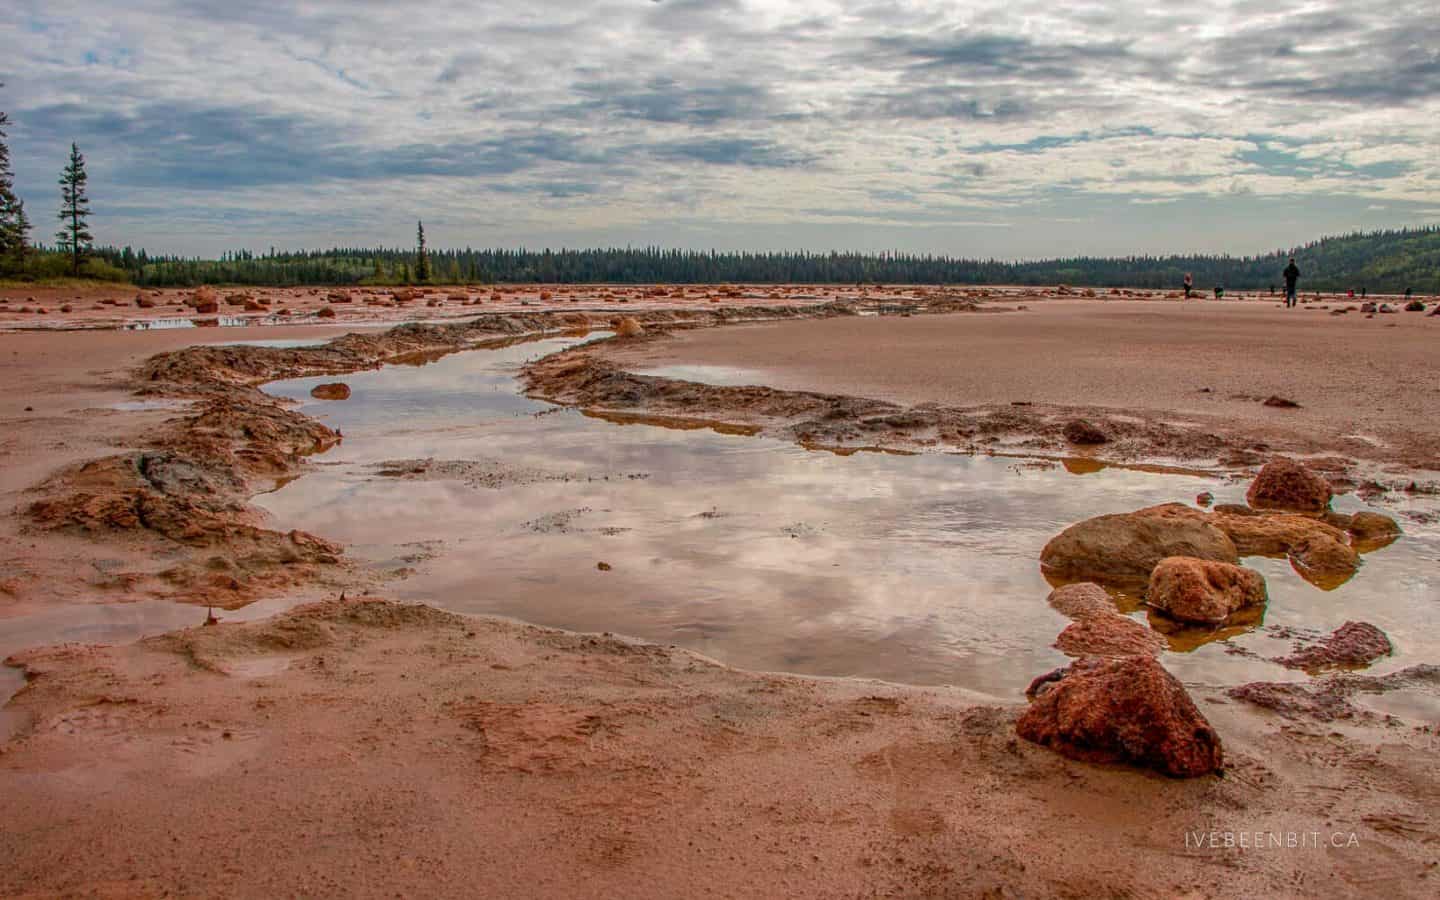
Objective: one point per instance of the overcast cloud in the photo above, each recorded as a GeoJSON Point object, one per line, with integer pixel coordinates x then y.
{"type": "Point", "coordinates": [1010, 129]}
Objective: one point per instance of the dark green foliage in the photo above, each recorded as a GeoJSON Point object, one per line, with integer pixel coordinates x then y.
{"type": "Point", "coordinates": [422, 261]}
{"type": "Point", "coordinates": [1385, 262]}
{"type": "Point", "coordinates": [74, 236]}
{"type": "Point", "coordinates": [14, 224]}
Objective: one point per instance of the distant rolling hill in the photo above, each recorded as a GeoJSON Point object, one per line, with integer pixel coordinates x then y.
{"type": "Point", "coordinates": [1381, 262]}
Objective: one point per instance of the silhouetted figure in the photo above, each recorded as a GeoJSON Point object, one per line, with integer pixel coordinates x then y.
{"type": "Point", "coordinates": [1292, 276]}
{"type": "Point", "coordinates": [1189, 285]}
{"type": "Point", "coordinates": [1219, 292]}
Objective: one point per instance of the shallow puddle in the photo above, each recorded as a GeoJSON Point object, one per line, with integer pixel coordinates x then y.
{"type": "Point", "coordinates": [756, 552]}
{"type": "Point", "coordinates": [717, 375]}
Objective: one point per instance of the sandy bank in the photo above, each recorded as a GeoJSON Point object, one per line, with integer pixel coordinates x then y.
{"type": "Point", "coordinates": [365, 749]}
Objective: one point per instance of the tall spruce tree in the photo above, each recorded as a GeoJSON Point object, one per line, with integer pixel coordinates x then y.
{"type": "Point", "coordinates": [74, 235]}
{"type": "Point", "coordinates": [14, 224]}
{"type": "Point", "coordinates": [422, 261]}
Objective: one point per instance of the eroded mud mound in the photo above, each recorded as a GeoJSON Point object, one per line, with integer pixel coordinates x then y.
{"type": "Point", "coordinates": [583, 377]}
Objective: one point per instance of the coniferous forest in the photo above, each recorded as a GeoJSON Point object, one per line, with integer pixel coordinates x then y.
{"type": "Point", "coordinates": [1381, 262]}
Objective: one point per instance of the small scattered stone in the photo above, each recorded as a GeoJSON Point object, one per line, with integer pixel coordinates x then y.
{"type": "Point", "coordinates": [1278, 402]}
{"type": "Point", "coordinates": [603, 566]}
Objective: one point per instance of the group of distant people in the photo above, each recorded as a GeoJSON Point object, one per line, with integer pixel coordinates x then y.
{"type": "Point", "coordinates": [1291, 274]}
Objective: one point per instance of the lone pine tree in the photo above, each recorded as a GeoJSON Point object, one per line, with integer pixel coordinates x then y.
{"type": "Point", "coordinates": [14, 225]}
{"type": "Point", "coordinates": [74, 236]}
{"type": "Point", "coordinates": [422, 261]}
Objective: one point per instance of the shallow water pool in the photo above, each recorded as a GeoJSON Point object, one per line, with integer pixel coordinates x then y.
{"type": "Point", "coordinates": [913, 568]}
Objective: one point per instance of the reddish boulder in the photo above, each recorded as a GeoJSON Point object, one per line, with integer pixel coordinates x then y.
{"type": "Point", "coordinates": [326, 312]}
{"type": "Point", "coordinates": [1111, 635]}
{"type": "Point", "coordinates": [1287, 484]}
{"type": "Point", "coordinates": [338, 390]}
{"type": "Point", "coordinates": [1319, 552]}
{"type": "Point", "coordinates": [1352, 645]}
{"type": "Point", "coordinates": [1126, 710]}
{"type": "Point", "coordinates": [1371, 531]}
{"type": "Point", "coordinates": [1203, 591]}
{"type": "Point", "coordinates": [1126, 546]}
{"type": "Point", "coordinates": [1098, 630]}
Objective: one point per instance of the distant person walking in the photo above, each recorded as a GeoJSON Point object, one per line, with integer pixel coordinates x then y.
{"type": "Point", "coordinates": [1189, 284]}
{"type": "Point", "coordinates": [1292, 275]}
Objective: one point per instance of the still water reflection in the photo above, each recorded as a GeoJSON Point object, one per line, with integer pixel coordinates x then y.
{"type": "Point", "coordinates": [756, 552]}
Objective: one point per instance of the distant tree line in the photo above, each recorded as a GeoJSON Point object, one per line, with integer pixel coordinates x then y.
{"type": "Point", "coordinates": [1384, 261]}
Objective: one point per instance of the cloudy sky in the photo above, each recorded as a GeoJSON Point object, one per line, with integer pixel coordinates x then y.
{"type": "Point", "coordinates": [1016, 129]}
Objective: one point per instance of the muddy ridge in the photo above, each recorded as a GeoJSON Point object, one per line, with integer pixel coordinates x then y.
{"type": "Point", "coordinates": [1083, 438]}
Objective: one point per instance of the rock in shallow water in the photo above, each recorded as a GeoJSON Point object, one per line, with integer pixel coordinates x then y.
{"type": "Point", "coordinates": [1203, 591]}
{"type": "Point", "coordinates": [1287, 484]}
{"type": "Point", "coordinates": [338, 390]}
{"type": "Point", "coordinates": [1126, 546]}
{"type": "Point", "coordinates": [1126, 710]}
{"type": "Point", "coordinates": [1354, 644]}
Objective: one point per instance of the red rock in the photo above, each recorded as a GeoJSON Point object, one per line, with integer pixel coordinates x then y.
{"type": "Point", "coordinates": [1111, 635]}
{"type": "Point", "coordinates": [1353, 645]}
{"type": "Point", "coordinates": [1126, 546]}
{"type": "Point", "coordinates": [1126, 710]}
{"type": "Point", "coordinates": [334, 391]}
{"type": "Point", "coordinates": [1287, 484]}
{"type": "Point", "coordinates": [1371, 531]}
{"type": "Point", "coordinates": [144, 302]}
{"type": "Point", "coordinates": [1318, 551]}
{"type": "Point", "coordinates": [1203, 591]}
{"type": "Point", "coordinates": [326, 312]}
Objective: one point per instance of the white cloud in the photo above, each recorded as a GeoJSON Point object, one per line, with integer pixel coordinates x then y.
{"type": "Point", "coordinates": [321, 122]}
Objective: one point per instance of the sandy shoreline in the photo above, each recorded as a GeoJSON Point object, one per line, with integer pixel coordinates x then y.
{"type": "Point", "coordinates": [363, 748]}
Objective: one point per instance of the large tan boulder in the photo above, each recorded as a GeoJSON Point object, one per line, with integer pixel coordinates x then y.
{"type": "Point", "coordinates": [1287, 484]}
{"type": "Point", "coordinates": [1203, 591]}
{"type": "Point", "coordinates": [1126, 546]}
{"type": "Point", "coordinates": [1127, 710]}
